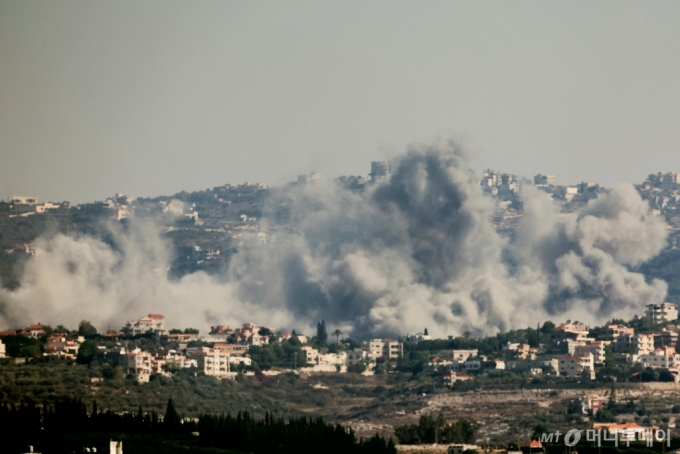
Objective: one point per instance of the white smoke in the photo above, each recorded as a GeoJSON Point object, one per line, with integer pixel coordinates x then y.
{"type": "Point", "coordinates": [415, 250]}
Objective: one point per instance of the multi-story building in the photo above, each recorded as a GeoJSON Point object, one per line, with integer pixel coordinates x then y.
{"type": "Point", "coordinates": [152, 324]}
{"type": "Point", "coordinates": [660, 313]}
{"type": "Point", "coordinates": [387, 348]}
{"type": "Point", "coordinates": [23, 200]}
{"type": "Point", "coordinates": [232, 349]}
{"type": "Point", "coordinates": [614, 331]}
{"type": "Point", "coordinates": [212, 362]}
{"type": "Point", "coordinates": [136, 362]}
{"type": "Point", "coordinates": [460, 356]}
{"type": "Point", "coordinates": [356, 355]}
{"type": "Point", "coordinates": [595, 348]}
{"type": "Point", "coordinates": [58, 344]}
{"type": "Point", "coordinates": [665, 338]}
{"type": "Point", "coordinates": [660, 358]}
{"type": "Point", "coordinates": [576, 366]}
{"type": "Point", "coordinates": [643, 343]}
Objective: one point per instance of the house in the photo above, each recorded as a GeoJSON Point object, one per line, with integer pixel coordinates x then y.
{"type": "Point", "coordinates": [641, 344]}
{"type": "Point", "coordinates": [660, 358]}
{"type": "Point", "coordinates": [661, 312]}
{"type": "Point", "coordinates": [576, 366]}
{"type": "Point", "coordinates": [136, 362]}
{"type": "Point", "coordinates": [595, 348]}
{"type": "Point", "coordinates": [591, 403]}
{"type": "Point", "coordinates": [231, 349]}
{"type": "Point", "coordinates": [212, 362]}
{"type": "Point", "coordinates": [534, 446]}
{"type": "Point", "coordinates": [459, 355]}
{"type": "Point", "coordinates": [178, 337]}
{"type": "Point", "coordinates": [152, 324]}
{"type": "Point", "coordinates": [665, 338]}
{"type": "Point", "coordinates": [413, 339]}
{"type": "Point", "coordinates": [437, 364]}
{"type": "Point", "coordinates": [34, 331]}
{"type": "Point", "coordinates": [614, 331]}
{"type": "Point", "coordinates": [58, 344]}
{"type": "Point", "coordinates": [473, 365]}
{"type": "Point", "coordinates": [386, 348]}
{"type": "Point", "coordinates": [3, 353]}
{"type": "Point", "coordinates": [356, 355]}
{"type": "Point", "coordinates": [460, 449]}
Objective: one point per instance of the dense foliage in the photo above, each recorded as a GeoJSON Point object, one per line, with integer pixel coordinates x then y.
{"type": "Point", "coordinates": [431, 430]}
{"type": "Point", "coordinates": [243, 432]}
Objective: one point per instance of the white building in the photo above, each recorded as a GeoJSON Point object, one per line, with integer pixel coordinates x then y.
{"type": "Point", "coordinates": [461, 356]}
{"type": "Point", "coordinates": [576, 366]}
{"type": "Point", "coordinates": [356, 355]}
{"type": "Point", "coordinates": [213, 362]}
{"type": "Point", "coordinates": [595, 348]}
{"type": "Point", "coordinates": [153, 323]}
{"type": "Point", "coordinates": [660, 358]}
{"type": "Point", "coordinates": [660, 313]}
{"type": "Point", "coordinates": [136, 362]}
{"type": "Point", "coordinates": [23, 200]}
{"type": "Point", "coordinates": [389, 349]}
{"type": "Point", "coordinates": [3, 354]}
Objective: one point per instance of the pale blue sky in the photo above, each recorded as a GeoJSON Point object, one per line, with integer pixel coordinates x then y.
{"type": "Point", "coordinates": [151, 98]}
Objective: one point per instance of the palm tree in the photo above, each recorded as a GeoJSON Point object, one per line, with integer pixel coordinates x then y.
{"type": "Point", "coordinates": [467, 334]}
{"type": "Point", "coordinates": [337, 333]}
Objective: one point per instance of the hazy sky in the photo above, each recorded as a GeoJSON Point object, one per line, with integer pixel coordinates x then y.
{"type": "Point", "coordinates": [151, 98]}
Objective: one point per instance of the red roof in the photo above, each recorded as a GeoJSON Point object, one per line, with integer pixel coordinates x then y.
{"type": "Point", "coordinates": [37, 326]}
{"type": "Point", "coordinates": [156, 316]}
{"type": "Point", "coordinates": [534, 444]}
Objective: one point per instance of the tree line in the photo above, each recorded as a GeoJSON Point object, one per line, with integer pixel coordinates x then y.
{"type": "Point", "coordinates": [436, 430]}
{"type": "Point", "coordinates": [242, 432]}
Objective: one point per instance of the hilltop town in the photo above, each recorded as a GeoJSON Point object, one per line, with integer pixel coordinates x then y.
{"type": "Point", "coordinates": [207, 227]}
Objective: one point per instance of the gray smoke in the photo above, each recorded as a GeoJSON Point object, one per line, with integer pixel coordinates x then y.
{"type": "Point", "coordinates": [415, 250]}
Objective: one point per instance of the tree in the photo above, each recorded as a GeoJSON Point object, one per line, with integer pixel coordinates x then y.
{"type": "Point", "coordinates": [321, 333]}
{"type": "Point", "coordinates": [538, 431]}
{"type": "Point", "coordinates": [62, 329]}
{"type": "Point", "coordinates": [467, 334]}
{"type": "Point", "coordinates": [548, 327]}
{"type": "Point", "coordinates": [86, 329]}
{"type": "Point", "coordinates": [425, 333]}
{"type": "Point", "coordinates": [171, 420]}
{"type": "Point", "coordinates": [337, 334]}
{"type": "Point", "coordinates": [86, 352]}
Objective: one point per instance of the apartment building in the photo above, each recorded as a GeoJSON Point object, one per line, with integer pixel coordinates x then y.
{"type": "Point", "coordinates": [576, 366]}
{"type": "Point", "coordinates": [389, 349]}
{"type": "Point", "coordinates": [614, 331]}
{"type": "Point", "coordinates": [136, 362]}
{"type": "Point", "coordinates": [641, 344]}
{"type": "Point", "coordinates": [660, 358]}
{"type": "Point", "coordinates": [595, 348]}
{"type": "Point", "coordinates": [212, 362]}
{"type": "Point", "coordinates": [660, 313]}
{"type": "Point", "coordinates": [665, 338]}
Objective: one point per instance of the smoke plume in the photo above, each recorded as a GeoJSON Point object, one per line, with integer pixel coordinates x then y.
{"type": "Point", "coordinates": [415, 250]}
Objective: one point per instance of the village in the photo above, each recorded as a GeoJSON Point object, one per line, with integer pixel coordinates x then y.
{"type": "Point", "coordinates": [569, 350]}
